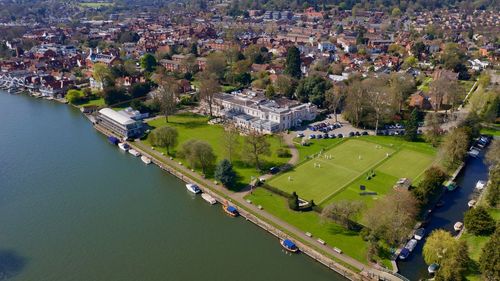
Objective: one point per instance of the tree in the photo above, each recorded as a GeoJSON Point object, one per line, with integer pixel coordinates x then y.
{"type": "Point", "coordinates": [256, 145]}
{"type": "Point", "coordinates": [437, 246]}
{"type": "Point", "coordinates": [355, 102]}
{"type": "Point", "coordinates": [230, 139]}
{"type": "Point", "coordinates": [198, 154]}
{"type": "Point", "coordinates": [442, 88]}
{"type": "Point", "coordinates": [209, 88]}
{"type": "Point", "coordinates": [292, 64]}
{"type": "Point", "coordinates": [148, 62]}
{"type": "Point", "coordinates": [454, 266]}
{"type": "Point", "coordinates": [74, 96]}
{"type": "Point", "coordinates": [396, 12]}
{"type": "Point", "coordinates": [434, 131]}
{"type": "Point", "coordinates": [270, 93]}
{"type": "Point", "coordinates": [312, 89]}
{"type": "Point", "coordinates": [113, 95]}
{"type": "Point", "coordinates": [493, 154]}
{"type": "Point", "coordinates": [293, 202]}
{"type": "Point", "coordinates": [489, 261]}
{"type": "Point", "coordinates": [224, 173]}
{"type": "Point", "coordinates": [379, 98]}
{"type": "Point", "coordinates": [455, 147]}
{"type": "Point", "coordinates": [216, 65]}
{"type": "Point", "coordinates": [334, 98]}
{"type": "Point", "coordinates": [168, 92]}
{"type": "Point", "coordinates": [478, 221]}
{"type": "Point", "coordinates": [101, 73]}
{"type": "Point", "coordinates": [411, 126]}
{"type": "Point", "coordinates": [401, 86]}
{"type": "Point", "coordinates": [343, 212]}
{"type": "Point", "coordinates": [452, 56]}
{"type": "Point", "coordinates": [164, 137]}
{"type": "Point", "coordinates": [392, 217]}
{"type": "Point", "coordinates": [431, 183]}
{"type": "Point", "coordinates": [285, 86]}
{"type": "Point", "coordinates": [140, 90]}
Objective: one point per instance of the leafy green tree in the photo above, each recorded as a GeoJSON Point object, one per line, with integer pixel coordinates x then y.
{"type": "Point", "coordinates": [434, 131]}
{"type": "Point", "coordinates": [114, 95]}
{"type": "Point", "coordinates": [199, 154]}
{"type": "Point", "coordinates": [148, 62]}
{"type": "Point", "coordinates": [455, 147]}
{"type": "Point", "coordinates": [312, 89]}
{"type": "Point", "coordinates": [437, 246]}
{"type": "Point", "coordinates": [343, 212]}
{"type": "Point", "coordinates": [216, 65]}
{"type": "Point", "coordinates": [454, 266]}
{"type": "Point", "coordinates": [411, 126]}
{"type": "Point", "coordinates": [292, 64]}
{"type": "Point", "coordinates": [140, 90]}
{"type": "Point", "coordinates": [478, 221]}
{"type": "Point", "coordinates": [74, 96]}
{"type": "Point", "coordinates": [396, 12]}
{"type": "Point", "coordinates": [224, 173]}
{"type": "Point", "coordinates": [489, 261]}
{"type": "Point", "coordinates": [293, 202]}
{"type": "Point", "coordinates": [101, 72]}
{"type": "Point", "coordinates": [166, 137]}
{"type": "Point", "coordinates": [431, 183]}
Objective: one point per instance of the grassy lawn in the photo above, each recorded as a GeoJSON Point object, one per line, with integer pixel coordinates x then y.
{"type": "Point", "coordinates": [493, 130]}
{"type": "Point", "coordinates": [314, 147]}
{"type": "Point", "coordinates": [350, 159]}
{"type": "Point", "coordinates": [96, 102]}
{"type": "Point", "coordinates": [191, 126]}
{"type": "Point", "coordinates": [336, 236]}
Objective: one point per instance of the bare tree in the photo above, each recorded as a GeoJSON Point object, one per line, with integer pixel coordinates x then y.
{"type": "Point", "coordinates": [444, 88]}
{"type": "Point", "coordinates": [231, 141]}
{"type": "Point", "coordinates": [401, 86]}
{"type": "Point", "coordinates": [434, 131]}
{"type": "Point", "coordinates": [355, 101]}
{"type": "Point", "coordinates": [335, 97]}
{"type": "Point", "coordinates": [168, 92]}
{"type": "Point", "coordinates": [379, 97]}
{"type": "Point", "coordinates": [343, 212]}
{"type": "Point", "coordinates": [209, 88]}
{"type": "Point", "coordinates": [256, 144]}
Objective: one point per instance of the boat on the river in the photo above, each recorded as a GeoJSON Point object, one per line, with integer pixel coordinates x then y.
{"type": "Point", "coordinates": [440, 204]}
{"type": "Point", "coordinates": [113, 140]}
{"type": "Point", "coordinates": [288, 245]}
{"type": "Point", "coordinates": [471, 203]}
{"type": "Point", "coordinates": [411, 244]}
{"type": "Point", "coordinates": [404, 254]}
{"type": "Point", "coordinates": [207, 197]}
{"type": "Point", "coordinates": [419, 234]}
{"type": "Point", "coordinates": [451, 185]}
{"type": "Point", "coordinates": [480, 185]}
{"type": "Point", "coordinates": [191, 187]}
{"type": "Point", "coordinates": [145, 160]}
{"type": "Point", "coordinates": [458, 226]}
{"type": "Point", "coordinates": [134, 152]}
{"type": "Point", "coordinates": [124, 146]}
{"type": "Point", "coordinates": [433, 268]}
{"type": "Point", "coordinates": [230, 210]}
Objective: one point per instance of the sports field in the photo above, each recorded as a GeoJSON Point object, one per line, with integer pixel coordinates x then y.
{"type": "Point", "coordinates": [338, 173]}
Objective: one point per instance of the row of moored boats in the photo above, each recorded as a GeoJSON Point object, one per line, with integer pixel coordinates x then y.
{"type": "Point", "coordinates": [126, 148]}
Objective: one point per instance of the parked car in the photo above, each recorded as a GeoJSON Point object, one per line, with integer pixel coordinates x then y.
{"type": "Point", "coordinates": [357, 134]}
{"type": "Point", "coordinates": [365, 133]}
{"type": "Point", "coordinates": [300, 135]}
{"type": "Point", "coordinates": [274, 170]}
{"type": "Point", "coordinates": [313, 136]}
{"type": "Point", "coordinates": [351, 134]}
{"type": "Point", "coordinates": [340, 136]}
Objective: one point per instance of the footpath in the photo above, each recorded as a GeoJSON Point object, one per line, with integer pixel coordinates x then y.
{"type": "Point", "coordinates": [342, 264]}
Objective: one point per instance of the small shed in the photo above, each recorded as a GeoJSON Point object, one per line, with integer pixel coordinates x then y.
{"type": "Point", "coordinates": [403, 183]}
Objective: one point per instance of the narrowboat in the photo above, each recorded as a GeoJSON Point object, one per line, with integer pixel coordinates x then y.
{"type": "Point", "coordinates": [289, 246]}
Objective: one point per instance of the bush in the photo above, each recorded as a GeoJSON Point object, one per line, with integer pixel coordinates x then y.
{"type": "Point", "coordinates": [479, 222]}
{"type": "Point", "coordinates": [293, 202]}
{"type": "Point", "coordinates": [277, 191]}
{"type": "Point", "coordinates": [283, 153]}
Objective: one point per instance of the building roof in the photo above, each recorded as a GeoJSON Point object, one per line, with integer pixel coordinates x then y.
{"type": "Point", "coordinates": [113, 115]}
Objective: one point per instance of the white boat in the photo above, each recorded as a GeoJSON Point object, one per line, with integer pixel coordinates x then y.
{"type": "Point", "coordinates": [134, 152]}
{"type": "Point", "coordinates": [208, 198]}
{"type": "Point", "coordinates": [471, 203]}
{"type": "Point", "coordinates": [458, 226]}
{"type": "Point", "coordinates": [411, 244]}
{"type": "Point", "coordinates": [480, 185]}
{"type": "Point", "coordinates": [193, 188]}
{"type": "Point", "coordinates": [123, 146]}
{"type": "Point", "coordinates": [146, 160]}
{"type": "Point", "coordinates": [419, 234]}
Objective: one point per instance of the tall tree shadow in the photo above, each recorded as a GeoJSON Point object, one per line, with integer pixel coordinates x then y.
{"type": "Point", "coordinates": [11, 264]}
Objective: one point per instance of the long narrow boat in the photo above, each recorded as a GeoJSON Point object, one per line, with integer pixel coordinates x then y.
{"type": "Point", "coordinates": [289, 246]}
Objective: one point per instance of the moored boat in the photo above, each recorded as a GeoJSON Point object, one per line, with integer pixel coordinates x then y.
{"type": "Point", "coordinates": [433, 268]}
{"type": "Point", "coordinates": [207, 197]}
{"type": "Point", "coordinates": [289, 246]}
{"type": "Point", "coordinates": [113, 140]}
{"type": "Point", "coordinates": [419, 233]}
{"type": "Point", "coordinates": [146, 160]}
{"type": "Point", "coordinates": [458, 226]}
{"type": "Point", "coordinates": [230, 210]}
{"type": "Point", "coordinates": [480, 185]}
{"type": "Point", "coordinates": [404, 254]}
{"type": "Point", "coordinates": [193, 188]}
{"type": "Point", "coordinates": [451, 185]}
{"type": "Point", "coordinates": [471, 203]}
{"type": "Point", "coordinates": [134, 152]}
{"type": "Point", "coordinates": [411, 244]}
{"type": "Point", "coordinates": [123, 146]}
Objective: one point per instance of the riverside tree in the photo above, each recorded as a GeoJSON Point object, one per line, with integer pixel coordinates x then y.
{"type": "Point", "coordinates": [74, 96]}
{"type": "Point", "coordinates": [454, 148]}
{"type": "Point", "coordinates": [478, 221]}
{"type": "Point", "coordinates": [166, 137]}
{"type": "Point", "coordinates": [454, 266]}
{"type": "Point", "coordinates": [168, 93]}
{"type": "Point", "coordinates": [224, 173]}
{"type": "Point", "coordinates": [231, 141]}
{"type": "Point", "coordinates": [431, 183]}
{"type": "Point", "coordinates": [343, 212]}
{"type": "Point", "coordinates": [434, 130]}
{"type": "Point", "coordinates": [199, 154]}
{"type": "Point", "coordinates": [439, 244]}
{"type": "Point", "coordinates": [489, 262]}
{"type": "Point", "coordinates": [255, 146]}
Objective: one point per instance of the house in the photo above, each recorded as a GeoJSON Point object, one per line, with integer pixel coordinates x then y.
{"type": "Point", "coordinates": [251, 110]}
{"type": "Point", "coordinates": [420, 100]}
{"type": "Point", "coordinates": [93, 58]}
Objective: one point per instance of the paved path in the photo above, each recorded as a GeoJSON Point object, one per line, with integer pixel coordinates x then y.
{"type": "Point", "coordinates": [236, 197]}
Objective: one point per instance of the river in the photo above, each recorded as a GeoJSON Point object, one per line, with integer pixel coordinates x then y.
{"type": "Point", "coordinates": [73, 207]}
{"type": "Point", "coordinates": [446, 216]}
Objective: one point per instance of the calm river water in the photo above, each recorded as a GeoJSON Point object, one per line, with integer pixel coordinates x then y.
{"type": "Point", "coordinates": [73, 207]}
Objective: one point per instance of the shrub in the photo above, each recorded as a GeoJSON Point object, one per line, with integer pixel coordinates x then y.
{"type": "Point", "coordinates": [283, 153]}
{"type": "Point", "coordinates": [293, 202]}
{"type": "Point", "coordinates": [479, 222]}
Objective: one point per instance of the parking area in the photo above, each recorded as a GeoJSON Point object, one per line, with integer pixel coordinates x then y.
{"type": "Point", "coordinates": [329, 128]}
